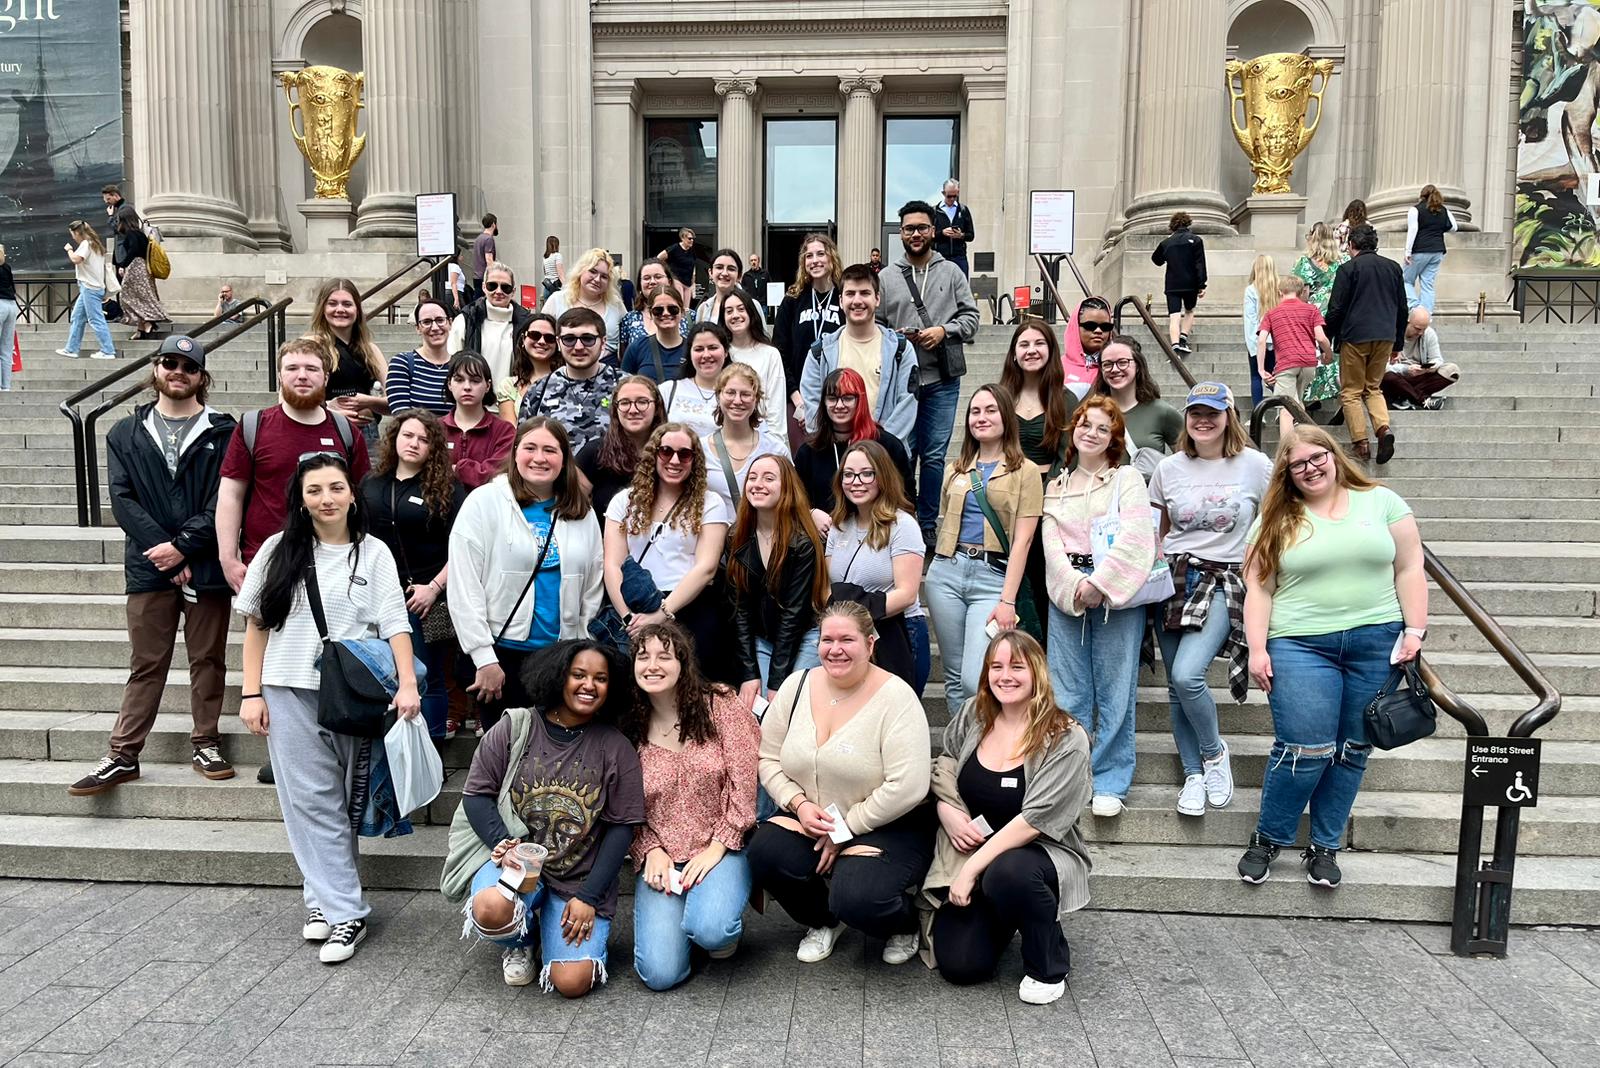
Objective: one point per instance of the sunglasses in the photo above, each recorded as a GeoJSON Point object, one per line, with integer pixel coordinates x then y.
{"type": "Point", "coordinates": [542, 337]}
{"type": "Point", "coordinates": [178, 363]}
{"type": "Point", "coordinates": [498, 287]}
{"type": "Point", "coordinates": [579, 341]}
{"type": "Point", "coordinates": [668, 453]}
{"type": "Point", "coordinates": [1096, 328]}
{"type": "Point", "coordinates": [665, 313]}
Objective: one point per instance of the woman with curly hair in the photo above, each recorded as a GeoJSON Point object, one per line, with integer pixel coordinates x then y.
{"type": "Point", "coordinates": [698, 748]}
{"type": "Point", "coordinates": [1317, 266]}
{"type": "Point", "coordinates": [608, 462]}
{"type": "Point", "coordinates": [411, 499]}
{"type": "Point", "coordinates": [558, 774]}
{"type": "Point", "coordinates": [670, 526]}
{"type": "Point", "coordinates": [357, 364]}
{"type": "Point", "coordinates": [810, 308]}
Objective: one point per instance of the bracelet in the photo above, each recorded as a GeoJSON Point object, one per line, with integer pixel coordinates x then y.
{"type": "Point", "coordinates": [436, 587]}
{"type": "Point", "coordinates": [251, 696]}
{"type": "Point", "coordinates": [1013, 604]}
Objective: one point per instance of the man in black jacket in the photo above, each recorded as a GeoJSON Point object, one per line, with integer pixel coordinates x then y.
{"type": "Point", "coordinates": [954, 227]}
{"type": "Point", "coordinates": [1184, 255]}
{"type": "Point", "coordinates": [1367, 321]}
{"type": "Point", "coordinates": [165, 464]}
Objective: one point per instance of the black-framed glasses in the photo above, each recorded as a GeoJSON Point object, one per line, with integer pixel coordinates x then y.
{"type": "Point", "coordinates": [1116, 365]}
{"type": "Point", "coordinates": [542, 337]}
{"type": "Point", "coordinates": [841, 398]}
{"type": "Point", "coordinates": [579, 341]}
{"type": "Point", "coordinates": [178, 363]}
{"type": "Point", "coordinates": [432, 323]}
{"type": "Point", "coordinates": [665, 313]}
{"type": "Point", "coordinates": [1316, 459]}
{"type": "Point", "coordinates": [667, 452]}
{"type": "Point", "coordinates": [925, 228]}
{"type": "Point", "coordinates": [498, 287]}
{"type": "Point", "coordinates": [862, 477]}
{"type": "Point", "coordinates": [1096, 328]}
{"type": "Point", "coordinates": [636, 404]}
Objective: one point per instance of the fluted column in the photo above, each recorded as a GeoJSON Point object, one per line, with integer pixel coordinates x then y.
{"type": "Point", "coordinates": [258, 100]}
{"type": "Point", "coordinates": [461, 131]}
{"type": "Point", "coordinates": [738, 218]}
{"type": "Point", "coordinates": [407, 152]}
{"type": "Point", "coordinates": [1179, 105]}
{"type": "Point", "coordinates": [860, 167]}
{"type": "Point", "coordinates": [1422, 65]}
{"type": "Point", "coordinates": [617, 172]}
{"type": "Point", "coordinates": [189, 119]}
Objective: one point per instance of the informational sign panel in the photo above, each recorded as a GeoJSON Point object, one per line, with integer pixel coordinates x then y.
{"type": "Point", "coordinates": [60, 123]}
{"type": "Point", "coordinates": [436, 224]}
{"type": "Point", "coordinates": [1050, 222]}
{"type": "Point", "coordinates": [774, 294]}
{"type": "Point", "coordinates": [1022, 297]}
{"type": "Point", "coordinates": [1502, 772]}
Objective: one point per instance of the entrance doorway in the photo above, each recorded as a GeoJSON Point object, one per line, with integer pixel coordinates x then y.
{"type": "Point", "coordinates": [801, 189]}
{"type": "Point", "coordinates": [782, 255]}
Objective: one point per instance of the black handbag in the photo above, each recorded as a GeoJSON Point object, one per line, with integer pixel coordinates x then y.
{"type": "Point", "coordinates": [1403, 711]}
{"type": "Point", "coordinates": [351, 699]}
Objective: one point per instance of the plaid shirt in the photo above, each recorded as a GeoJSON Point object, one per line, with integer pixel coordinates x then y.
{"type": "Point", "coordinates": [1189, 613]}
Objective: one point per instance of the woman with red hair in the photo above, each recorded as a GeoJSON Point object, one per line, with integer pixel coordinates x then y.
{"type": "Point", "coordinates": [849, 420]}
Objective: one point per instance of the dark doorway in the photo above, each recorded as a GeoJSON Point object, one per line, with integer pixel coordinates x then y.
{"type": "Point", "coordinates": [657, 238]}
{"type": "Point", "coordinates": [782, 255]}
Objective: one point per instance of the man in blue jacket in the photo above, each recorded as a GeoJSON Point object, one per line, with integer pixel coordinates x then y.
{"type": "Point", "coordinates": [881, 356]}
{"type": "Point", "coordinates": [165, 464]}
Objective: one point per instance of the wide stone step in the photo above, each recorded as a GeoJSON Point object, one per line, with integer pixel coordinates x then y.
{"type": "Point", "coordinates": [46, 515]}
{"type": "Point", "coordinates": [1443, 506]}
{"type": "Point", "coordinates": [60, 545]}
{"type": "Point", "coordinates": [1516, 530]}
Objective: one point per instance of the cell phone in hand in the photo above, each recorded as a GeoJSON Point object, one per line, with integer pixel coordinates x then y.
{"type": "Point", "coordinates": [992, 629]}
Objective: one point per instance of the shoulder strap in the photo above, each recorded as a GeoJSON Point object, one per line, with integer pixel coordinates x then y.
{"type": "Point", "coordinates": [314, 600]}
{"type": "Point", "coordinates": [252, 423]}
{"type": "Point", "coordinates": [727, 464]}
{"type": "Point", "coordinates": [655, 354]}
{"type": "Point", "coordinates": [538, 565]}
{"type": "Point", "coordinates": [899, 352]}
{"type": "Point", "coordinates": [852, 561]}
{"type": "Point", "coordinates": [984, 506]}
{"type": "Point", "coordinates": [346, 433]}
{"type": "Point", "coordinates": [916, 294]}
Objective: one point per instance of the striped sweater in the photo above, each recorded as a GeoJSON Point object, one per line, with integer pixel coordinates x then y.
{"type": "Point", "coordinates": [1065, 528]}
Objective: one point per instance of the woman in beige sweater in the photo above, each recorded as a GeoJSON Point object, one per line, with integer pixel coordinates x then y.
{"type": "Point", "coordinates": [845, 756]}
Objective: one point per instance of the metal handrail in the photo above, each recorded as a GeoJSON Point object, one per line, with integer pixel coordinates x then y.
{"type": "Point", "coordinates": [85, 452]}
{"type": "Point", "coordinates": [435, 266]}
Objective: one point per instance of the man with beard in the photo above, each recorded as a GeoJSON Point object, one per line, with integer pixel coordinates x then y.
{"type": "Point", "coordinates": [165, 464]}
{"type": "Point", "coordinates": [929, 300]}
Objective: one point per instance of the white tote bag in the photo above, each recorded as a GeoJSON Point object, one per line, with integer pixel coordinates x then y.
{"type": "Point", "coordinates": [414, 764]}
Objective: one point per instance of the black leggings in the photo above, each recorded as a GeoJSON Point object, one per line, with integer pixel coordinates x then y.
{"type": "Point", "coordinates": [871, 894]}
{"type": "Point", "coordinates": [1019, 890]}
{"type": "Point", "coordinates": [512, 695]}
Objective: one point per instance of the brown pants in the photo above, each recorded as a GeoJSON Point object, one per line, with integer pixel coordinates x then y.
{"type": "Point", "coordinates": [153, 631]}
{"type": "Point", "coordinates": [1361, 368]}
{"type": "Point", "coordinates": [1414, 388]}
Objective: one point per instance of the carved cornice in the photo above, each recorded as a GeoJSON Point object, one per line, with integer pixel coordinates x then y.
{"type": "Point", "coordinates": [911, 28]}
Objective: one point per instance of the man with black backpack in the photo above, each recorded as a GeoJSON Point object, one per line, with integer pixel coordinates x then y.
{"type": "Point", "coordinates": [883, 359]}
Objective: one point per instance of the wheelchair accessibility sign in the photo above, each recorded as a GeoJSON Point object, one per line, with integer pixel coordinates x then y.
{"type": "Point", "coordinates": [1502, 772]}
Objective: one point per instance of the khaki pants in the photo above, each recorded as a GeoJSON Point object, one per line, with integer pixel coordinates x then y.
{"type": "Point", "coordinates": [153, 631]}
{"type": "Point", "coordinates": [1361, 369]}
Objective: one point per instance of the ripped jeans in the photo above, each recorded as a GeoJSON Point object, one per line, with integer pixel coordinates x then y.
{"type": "Point", "coordinates": [1321, 686]}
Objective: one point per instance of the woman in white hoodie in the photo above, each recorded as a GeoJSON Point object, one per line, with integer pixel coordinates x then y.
{"type": "Point", "coordinates": [525, 561]}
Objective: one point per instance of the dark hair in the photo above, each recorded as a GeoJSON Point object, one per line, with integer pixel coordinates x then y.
{"type": "Point", "coordinates": [1364, 238]}
{"type": "Point", "coordinates": [1180, 221]}
{"type": "Point", "coordinates": [112, 189]}
{"type": "Point", "coordinates": [489, 219]}
{"type": "Point", "coordinates": [758, 323]}
{"type": "Point", "coordinates": [916, 207]}
{"type": "Point", "coordinates": [521, 361]}
{"type": "Point", "coordinates": [126, 220]}
{"type": "Point", "coordinates": [878, 250]}
{"type": "Point", "coordinates": [296, 549]}
{"type": "Point", "coordinates": [860, 272]}
{"type": "Point", "coordinates": [474, 365]}
{"type": "Point", "coordinates": [427, 300]}
{"type": "Point", "coordinates": [1052, 391]}
{"type": "Point", "coordinates": [694, 690]}
{"type": "Point", "coordinates": [738, 262]}
{"type": "Point", "coordinates": [570, 500]}
{"type": "Point", "coordinates": [844, 382]}
{"type": "Point", "coordinates": [617, 451]}
{"type": "Point", "coordinates": [552, 244]}
{"type": "Point", "coordinates": [716, 330]}
{"type": "Point", "coordinates": [1145, 389]}
{"type": "Point", "coordinates": [581, 316]}
{"type": "Point", "coordinates": [544, 677]}
{"type": "Point", "coordinates": [1355, 212]}
{"type": "Point", "coordinates": [1432, 199]}
{"type": "Point", "coordinates": [438, 474]}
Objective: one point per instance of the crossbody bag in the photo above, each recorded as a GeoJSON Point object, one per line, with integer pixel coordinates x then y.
{"type": "Point", "coordinates": [1027, 610]}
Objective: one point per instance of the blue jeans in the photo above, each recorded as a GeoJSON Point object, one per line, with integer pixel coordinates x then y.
{"type": "Point", "coordinates": [806, 657]}
{"type": "Point", "coordinates": [1094, 668]}
{"type": "Point", "coordinates": [545, 909]}
{"type": "Point", "coordinates": [87, 309]}
{"type": "Point", "coordinates": [1257, 387]}
{"type": "Point", "coordinates": [436, 690]}
{"type": "Point", "coordinates": [930, 440]}
{"type": "Point", "coordinates": [710, 915]}
{"type": "Point", "coordinates": [959, 594]}
{"type": "Point", "coordinates": [1187, 654]}
{"type": "Point", "coordinates": [1420, 272]}
{"type": "Point", "coordinates": [921, 652]}
{"type": "Point", "coordinates": [8, 337]}
{"type": "Point", "coordinates": [1321, 686]}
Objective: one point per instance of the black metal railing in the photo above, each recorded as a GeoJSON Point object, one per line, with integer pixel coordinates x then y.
{"type": "Point", "coordinates": [1481, 908]}
{"type": "Point", "coordinates": [85, 444]}
{"type": "Point", "coordinates": [45, 296]}
{"type": "Point", "coordinates": [1553, 296]}
{"type": "Point", "coordinates": [431, 278]}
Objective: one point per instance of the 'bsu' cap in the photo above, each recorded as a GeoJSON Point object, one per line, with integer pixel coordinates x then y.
{"type": "Point", "coordinates": [1211, 394]}
{"type": "Point", "coordinates": [185, 346]}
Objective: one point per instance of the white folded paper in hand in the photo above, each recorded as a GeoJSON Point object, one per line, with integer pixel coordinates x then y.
{"type": "Point", "coordinates": [674, 881]}
{"type": "Point", "coordinates": [841, 831]}
{"type": "Point", "coordinates": [981, 825]}
{"type": "Point", "coordinates": [1399, 644]}
{"type": "Point", "coordinates": [759, 707]}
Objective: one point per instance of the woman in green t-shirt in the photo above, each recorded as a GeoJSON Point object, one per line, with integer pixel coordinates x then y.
{"type": "Point", "coordinates": [1125, 377]}
{"type": "Point", "coordinates": [1334, 590]}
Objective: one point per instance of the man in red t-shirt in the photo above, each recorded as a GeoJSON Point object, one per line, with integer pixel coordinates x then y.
{"type": "Point", "coordinates": [1295, 331]}
{"type": "Point", "coordinates": [252, 499]}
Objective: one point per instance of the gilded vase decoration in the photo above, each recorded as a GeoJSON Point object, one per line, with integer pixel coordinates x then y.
{"type": "Point", "coordinates": [329, 100]}
{"type": "Point", "coordinates": [1276, 93]}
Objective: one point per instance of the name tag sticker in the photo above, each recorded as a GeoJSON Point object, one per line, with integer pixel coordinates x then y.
{"type": "Point", "coordinates": [415, 500]}
{"type": "Point", "coordinates": [845, 748]}
{"type": "Point", "coordinates": [327, 441]}
{"type": "Point", "coordinates": [1009, 783]}
{"type": "Point", "coordinates": [450, 445]}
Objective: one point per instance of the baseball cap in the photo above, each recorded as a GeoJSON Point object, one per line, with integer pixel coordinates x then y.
{"type": "Point", "coordinates": [185, 346]}
{"type": "Point", "coordinates": [1211, 394]}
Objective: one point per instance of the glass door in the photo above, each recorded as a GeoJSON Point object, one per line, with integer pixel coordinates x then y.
{"type": "Point", "coordinates": [801, 189]}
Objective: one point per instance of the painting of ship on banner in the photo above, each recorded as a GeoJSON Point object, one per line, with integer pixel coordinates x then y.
{"type": "Point", "coordinates": [1558, 162]}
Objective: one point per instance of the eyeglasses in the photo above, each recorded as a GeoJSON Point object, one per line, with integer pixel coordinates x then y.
{"type": "Point", "coordinates": [665, 313]}
{"type": "Point", "coordinates": [841, 398]}
{"type": "Point", "coordinates": [636, 404]}
{"type": "Point", "coordinates": [432, 323]}
{"type": "Point", "coordinates": [1116, 365]}
{"type": "Point", "coordinates": [668, 453]}
{"type": "Point", "coordinates": [541, 337]}
{"type": "Point", "coordinates": [178, 363]}
{"type": "Point", "coordinates": [1316, 459]}
{"type": "Point", "coordinates": [498, 287]}
{"type": "Point", "coordinates": [1096, 328]}
{"type": "Point", "coordinates": [923, 229]}
{"type": "Point", "coordinates": [862, 477]}
{"type": "Point", "coordinates": [579, 341]}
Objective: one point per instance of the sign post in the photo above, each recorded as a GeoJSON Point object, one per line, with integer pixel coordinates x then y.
{"type": "Point", "coordinates": [1500, 773]}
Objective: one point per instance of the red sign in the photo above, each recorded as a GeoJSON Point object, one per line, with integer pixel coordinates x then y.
{"type": "Point", "coordinates": [530, 297]}
{"type": "Point", "coordinates": [1022, 297]}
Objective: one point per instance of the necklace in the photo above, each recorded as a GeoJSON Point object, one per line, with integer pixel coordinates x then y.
{"type": "Point", "coordinates": [834, 702]}
{"type": "Point", "coordinates": [176, 433]}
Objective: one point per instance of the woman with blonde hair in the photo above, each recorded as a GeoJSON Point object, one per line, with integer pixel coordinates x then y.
{"type": "Point", "coordinates": [592, 284]}
{"type": "Point", "coordinates": [88, 258]}
{"type": "Point", "coordinates": [1318, 266]}
{"type": "Point", "coordinates": [739, 439]}
{"type": "Point", "coordinates": [1334, 591]}
{"type": "Point", "coordinates": [1010, 783]}
{"type": "Point", "coordinates": [357, 364]}
{"type": "Point", "coordinates": [810, 308]}
{"type": "Point", "coordinates": [1260, 297]}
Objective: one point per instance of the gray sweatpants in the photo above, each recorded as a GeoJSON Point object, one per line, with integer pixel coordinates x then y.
{"type": "Point", "coordinates": [313, 768]}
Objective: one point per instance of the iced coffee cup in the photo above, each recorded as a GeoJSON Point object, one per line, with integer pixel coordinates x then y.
{"type": "Point", "coordinates": [527, 858]}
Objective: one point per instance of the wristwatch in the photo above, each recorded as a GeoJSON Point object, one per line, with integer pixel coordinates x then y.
{"type": "Point", "coordinates": [1419, 633]}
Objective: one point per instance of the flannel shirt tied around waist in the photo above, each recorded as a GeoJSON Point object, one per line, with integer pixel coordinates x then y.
{"type": "Point", "coordinates": [1190, 612]}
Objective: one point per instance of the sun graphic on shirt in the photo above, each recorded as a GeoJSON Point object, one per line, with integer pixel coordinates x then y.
{"type": "Point", "coordinates": [560, 813]}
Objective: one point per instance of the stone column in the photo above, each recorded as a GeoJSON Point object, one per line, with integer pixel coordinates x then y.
{"type": "Point", "coordinates": [983, 172]}
{"type": "Point", "coordinates": [407, 151]}
{"type": "Point", "coordinates": [1180, 97]}
{"type": "Point", "coordinates": [190, 188]}
{"type": "Point", "coordinates": [738, 190]}
{"type": "Point", "coordinates": [260, 110]}
{"type": "Point", "coordinates": [860, 167]}
{"type": "Point", "coordinates": [616, 170]}
{"type": "Point", "coordinates": [461, 132]}
{"type": "Point", "coordinates": [1422, 64]}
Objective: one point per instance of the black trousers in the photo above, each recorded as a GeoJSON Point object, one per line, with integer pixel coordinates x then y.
{"type": "Point", "coordinates": [512, 695]}
{"type": "Point", "coordinates": [871, 894]}
{"type": "Point", "coordinates": [1019, 890]}
{"type": "Point", "coordinates": [893, 651]}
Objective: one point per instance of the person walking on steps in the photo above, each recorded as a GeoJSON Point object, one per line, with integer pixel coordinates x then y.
{"type": "Point", "coordinates": [88, 256]}
{"type": "Point", "coordinates": [1184, 256]}
{"type": "Point", "coordinates": [164, 464]}
{"type": "Point", "coordinates": [1367, 318]}
{"type": "Point", "coordinates": [1427, 221]}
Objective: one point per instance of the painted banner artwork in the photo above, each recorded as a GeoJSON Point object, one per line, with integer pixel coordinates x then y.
{"type": "Point", "coordinates": [60, 123]}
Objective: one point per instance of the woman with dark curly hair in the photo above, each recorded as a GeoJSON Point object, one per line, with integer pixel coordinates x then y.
{"type": "Point", "coordinates": [608, 462]}
{"type": "Point", "coordinates": [411, 499]}
{"type": "Point", "coordinates": [560, 775]}
{"type": "Point", "coordinates": [698, 748]}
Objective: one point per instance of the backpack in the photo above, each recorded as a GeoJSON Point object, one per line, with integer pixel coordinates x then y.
{"type": "Point", "coordinates": [252, 424]}
{"type": "Point", "coordinates": [160, 266]}
{"type": "Point", "coordinates": [912, 385]}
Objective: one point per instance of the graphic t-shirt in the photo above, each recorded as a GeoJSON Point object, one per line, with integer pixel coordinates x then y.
{"type": "Point", "coordinates": [562, 792]}
{"type": "Point", "coordinates": [545, 627]}
{"type": "Point", "coordinates": [1210, 504]}
{"type": "Point", "coordinates": [280, 442]}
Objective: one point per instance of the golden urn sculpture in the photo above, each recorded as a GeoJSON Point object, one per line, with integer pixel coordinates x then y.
{"type": "Point", "coordinates": [1276, 91]}
{"type": "Point", "coordinates": [329, 100]}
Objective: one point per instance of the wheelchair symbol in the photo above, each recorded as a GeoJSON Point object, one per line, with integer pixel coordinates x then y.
{"type": "Point", "coordinates": [1517, 792]}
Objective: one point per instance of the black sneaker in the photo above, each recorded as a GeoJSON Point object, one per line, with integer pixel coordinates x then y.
{"type": "Point", "coordinates": [1255, 865]}
{"type": "Point", "coordinates": [1322, 866]}
{"type": "Point", "coordinates": [208, 761]}
{"type": "Point", "coordinates": [1385, 446]}
{"type": "Point", "coordinates": [264, 773]}
{"type": "Point", "coordinates": [113, 770]}
{"type": "Point", "coordinates": [342, 941]}
{"type": "Point", "coordinates": [1182, 347]}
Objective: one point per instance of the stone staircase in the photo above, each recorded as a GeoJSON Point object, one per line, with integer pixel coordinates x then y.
{"type": "Point", "coordinates": [1496, 480]}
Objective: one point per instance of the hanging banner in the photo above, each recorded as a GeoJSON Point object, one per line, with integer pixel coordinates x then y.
{"type": "Point", "coordinates": [1557, 160]}
{"type": "Point", "coordinates": [60, 123]}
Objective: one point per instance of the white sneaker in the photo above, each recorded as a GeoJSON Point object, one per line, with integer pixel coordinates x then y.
{"type": "Point", "coordinates": [900, 948]}
{"type": "Point", "coordinates": [316, 928]}
{"type": "Point", "coordinates": [817, 945]}
{"type": "Point", "coordinates": [516, 966]}
{"type": "Point", "coordinates": [342, 941]}
{"type": "Point", "coordinates": [102, 355]}
{"type": "Point", "coordinates": [68, 355]}
{"type": "Point", "coordinates": [1219, 779]}
{"type": "Point", "coordinates": [1105, 806]}
{"type": "Point", "coordinates": [1192, 800]}
{"type": "Point", "coordinates": [1033, 992]}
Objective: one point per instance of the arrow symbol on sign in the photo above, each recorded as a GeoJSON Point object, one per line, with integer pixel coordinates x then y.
{"type": "Point", "coordinates": [1477, 770]}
